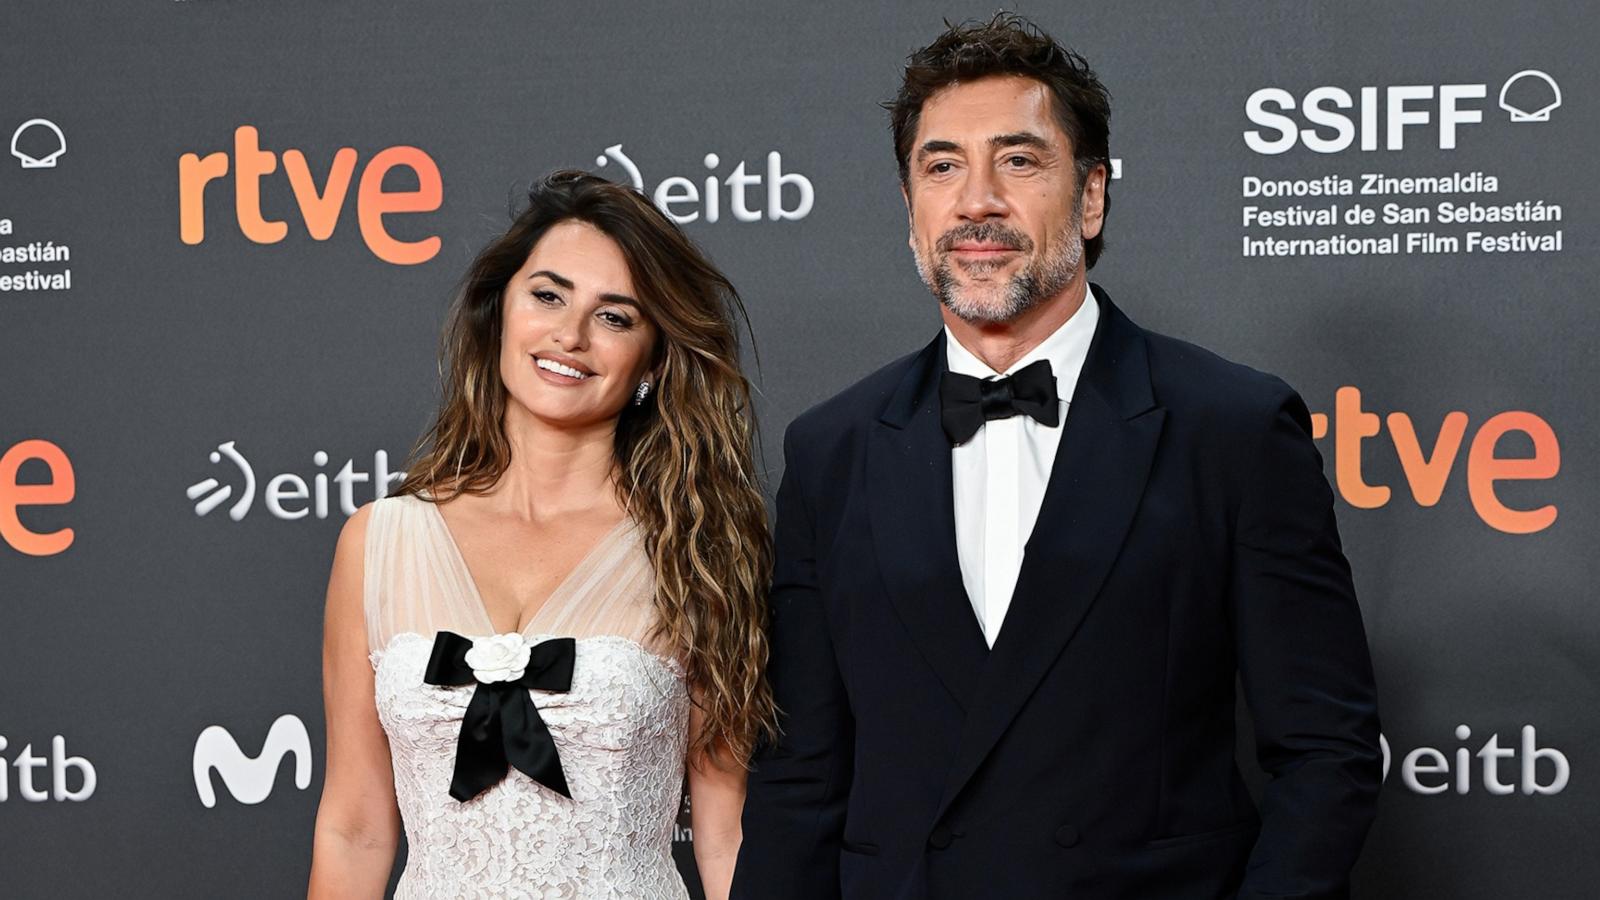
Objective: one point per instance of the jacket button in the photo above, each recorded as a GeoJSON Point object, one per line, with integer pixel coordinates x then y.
{"type": "Point", "coordinates": [940, 838]}
{"type": "Point", "coordinates": [1067, 836]}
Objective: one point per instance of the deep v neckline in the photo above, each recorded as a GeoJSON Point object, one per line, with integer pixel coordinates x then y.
{"type": "Point", "coordinates": [579, 568]}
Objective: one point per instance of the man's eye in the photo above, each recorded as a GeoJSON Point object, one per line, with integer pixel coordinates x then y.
{"type": "Point", "coordinates": [939, 168]}
{"type": "Point", "coordinates": [1017, 162]}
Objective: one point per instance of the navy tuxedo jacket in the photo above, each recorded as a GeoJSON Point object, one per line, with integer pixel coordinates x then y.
{"type": "Point", "coordinates": [1186, 544]}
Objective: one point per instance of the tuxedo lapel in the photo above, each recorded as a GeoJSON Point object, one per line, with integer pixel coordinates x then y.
{"type": "Point", "coordinates": [1107, 444]}
{"type": "Point", "coordinates": [911, 505]}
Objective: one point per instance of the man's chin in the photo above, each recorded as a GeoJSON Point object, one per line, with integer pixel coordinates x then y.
{"type": "Point", "coordinates": [995, 310]}
{"type": "Point", "coordinates": [985, 271]}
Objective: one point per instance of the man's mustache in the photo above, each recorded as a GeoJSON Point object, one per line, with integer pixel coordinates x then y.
{"type": "Point", "coordinates": [984, 233]}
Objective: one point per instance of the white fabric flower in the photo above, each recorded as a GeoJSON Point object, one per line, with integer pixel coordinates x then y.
{"type": "Point", "coordinates": [499, 657]}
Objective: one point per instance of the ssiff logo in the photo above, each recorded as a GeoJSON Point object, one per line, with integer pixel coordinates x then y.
{"type": "Point", "coordinates": [684, 201]}
{"type": "Point", "coordinates": [38, 144]}
{"type": "Point", "coordinates": [1529, 96]}
{"type": "Point", "coordinates": [320, 207]}
{"type": "Point", "coordinates": [288, 495]}
{"type": "Point", "coordinates": [250, 778]}
{"type": "Point", "coordinates": [1336, 119]}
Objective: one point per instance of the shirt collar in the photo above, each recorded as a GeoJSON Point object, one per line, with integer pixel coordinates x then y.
{"type": "Point", "coordinates": [1066, 348]}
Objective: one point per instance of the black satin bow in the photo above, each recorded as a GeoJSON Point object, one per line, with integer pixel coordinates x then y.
{"type": "Point", "coordinates": [501, 725]}
{"type": "Point", "coordinates": [967, 402]}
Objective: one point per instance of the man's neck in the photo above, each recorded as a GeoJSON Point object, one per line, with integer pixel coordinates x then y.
{"type": "Point", "coordinates": [1000, 344]}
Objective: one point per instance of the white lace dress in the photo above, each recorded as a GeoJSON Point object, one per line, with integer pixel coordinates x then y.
{"type": "Point", "coordinates": [621, 731]}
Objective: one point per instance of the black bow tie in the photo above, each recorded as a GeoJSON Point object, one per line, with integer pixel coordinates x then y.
{"type": "Point", "coordinates": [967, 402]}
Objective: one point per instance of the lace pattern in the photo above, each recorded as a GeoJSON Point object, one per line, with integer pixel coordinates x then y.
{"type": "Point", "coordinates": [622, 730]}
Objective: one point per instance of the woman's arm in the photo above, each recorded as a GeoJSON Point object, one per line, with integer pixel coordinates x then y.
{"type": "Point", "coordinates": [358, 822]}
{"type": "Point", "coordinates": [716, 801]}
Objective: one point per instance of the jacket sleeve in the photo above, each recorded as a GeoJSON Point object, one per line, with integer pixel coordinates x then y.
{"type": "Point", "coordinates": [1305, 669]}
{"type": "Point", "coordinates": [798, 786]}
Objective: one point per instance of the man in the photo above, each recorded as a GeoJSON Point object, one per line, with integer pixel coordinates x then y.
{"type": "Point", "coordinates": [1009, 612]}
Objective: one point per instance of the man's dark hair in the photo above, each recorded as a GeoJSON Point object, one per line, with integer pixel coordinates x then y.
{"type": "Point", "coordinates": [1010, 45]}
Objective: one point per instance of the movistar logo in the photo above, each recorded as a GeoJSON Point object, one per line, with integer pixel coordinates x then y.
{"type": "Point", "coordinates": [250, 778]}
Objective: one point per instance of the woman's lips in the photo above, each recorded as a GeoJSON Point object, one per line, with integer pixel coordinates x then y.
{"type": "Point", "coordinates": [560, 371]}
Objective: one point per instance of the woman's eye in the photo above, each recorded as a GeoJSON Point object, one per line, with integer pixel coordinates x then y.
{"type": "Point", "coordinates": [546, 297]}
{"type": "Point", "coordinates": [616, 320]}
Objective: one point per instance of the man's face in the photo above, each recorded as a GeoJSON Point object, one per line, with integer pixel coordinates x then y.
{"type": "Point", "coordinates": [997, 219]}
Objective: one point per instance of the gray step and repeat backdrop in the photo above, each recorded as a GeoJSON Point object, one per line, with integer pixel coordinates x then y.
{"type": "Point", "coordinates": [229, 229]}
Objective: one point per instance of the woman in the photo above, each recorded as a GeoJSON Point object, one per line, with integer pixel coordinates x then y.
{"type": "Point", "coordinates": [562, 604]}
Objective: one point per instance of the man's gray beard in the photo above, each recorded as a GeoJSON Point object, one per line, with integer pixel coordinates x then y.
{"type": "Point", "coordinates": [1028, 288]}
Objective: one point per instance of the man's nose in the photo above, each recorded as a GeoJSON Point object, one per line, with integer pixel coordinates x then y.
{"type": "Point", "coordinates": [981, 196]}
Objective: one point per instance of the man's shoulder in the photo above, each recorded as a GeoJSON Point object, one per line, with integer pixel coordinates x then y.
{"type": "Point", "coordinates": [1185, 375]}
{"type": "Point", "coordinates": [847, 413]}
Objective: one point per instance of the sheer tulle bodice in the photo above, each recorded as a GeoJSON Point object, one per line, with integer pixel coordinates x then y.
{"type": "Point", "coordinates": [621, 731]}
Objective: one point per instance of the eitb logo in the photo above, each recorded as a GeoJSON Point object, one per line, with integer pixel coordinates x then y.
{"type": "Point", "coordinates": [742, 193]}
{"type": "Point", "coordinates": [289, 495]}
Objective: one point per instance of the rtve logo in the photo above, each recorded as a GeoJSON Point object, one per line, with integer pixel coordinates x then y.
{"type": "Point", "coordinates": [684, 201]}
{"type": "Point", "coordinates": [1528, 96]}
{"type": "Point", "coordinates": [1427, 471]}
{"type": "Point", "coordinates": [250, 778]}
{"type": "Point", "coordinates": [57, 491]}
{"type": "Point", "coordinates": [287, 495]}
{"type": "Point", "coordinates": [320, 208]}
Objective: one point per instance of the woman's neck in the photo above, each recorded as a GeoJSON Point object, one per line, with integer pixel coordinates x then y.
{"type": "Point", "coordinates": [556, 470]}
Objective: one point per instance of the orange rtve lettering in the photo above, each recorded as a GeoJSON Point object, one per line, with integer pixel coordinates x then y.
{"type": "Point", "coordinates": [1426, 475]}
{"type": "Point", "coordinates": [59, 490]}
{"type": "Point", "coordinates": [250, 163]}
{"type": "Point", "coordinates": [320, 210]}
{"type": "Point", "coordinates": [373, 202]}
{"type": "Point", "coordinates": [194, 173]}
{"type": "Point", "coordinates": [1351, 426]}
{"type": "Point", "coordinates": [1484, 469]}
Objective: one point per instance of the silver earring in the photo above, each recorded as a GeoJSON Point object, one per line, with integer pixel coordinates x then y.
{"type": "Point", "coordinates": [640, 393]}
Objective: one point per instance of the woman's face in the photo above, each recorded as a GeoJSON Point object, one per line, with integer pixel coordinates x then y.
{"type": "Point", "coordinates": [574, 343]}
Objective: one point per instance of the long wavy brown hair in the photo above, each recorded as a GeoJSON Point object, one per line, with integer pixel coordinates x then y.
{"type": "Point", "coordinates": [685, 460]}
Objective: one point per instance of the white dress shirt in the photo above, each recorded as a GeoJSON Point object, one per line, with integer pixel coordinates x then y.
{"type": "Point", "coordinates": [1000, 475]}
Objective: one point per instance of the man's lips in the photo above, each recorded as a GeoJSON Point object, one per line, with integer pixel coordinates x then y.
{"type": "Point", "coordinates": [982, 249]}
